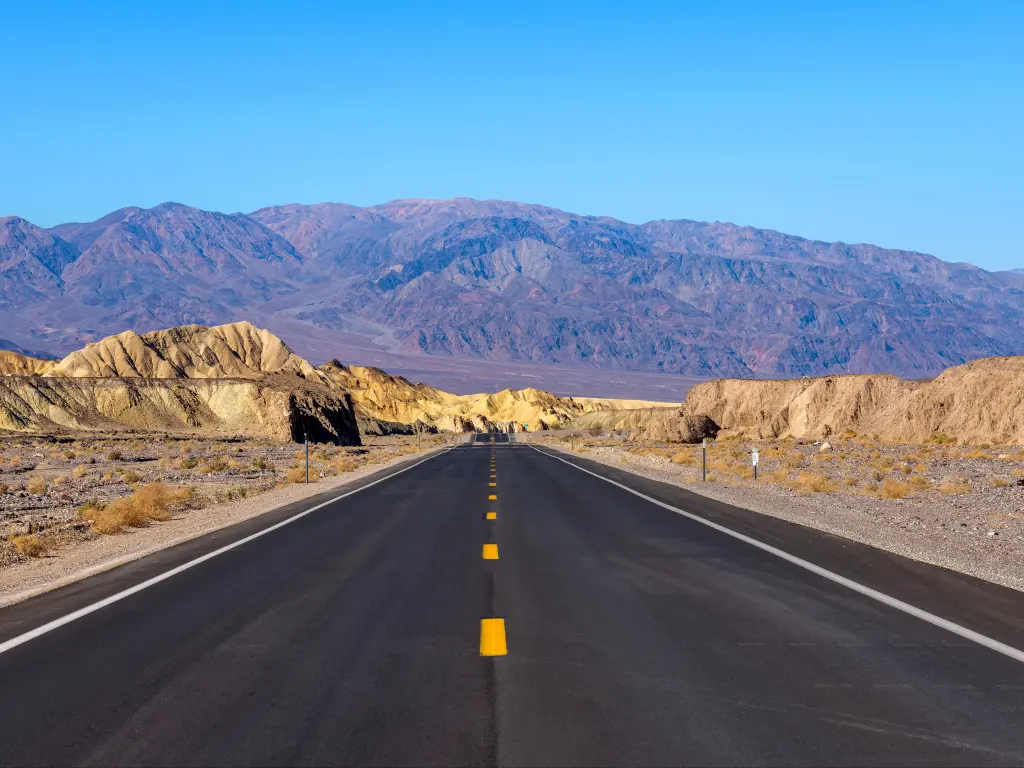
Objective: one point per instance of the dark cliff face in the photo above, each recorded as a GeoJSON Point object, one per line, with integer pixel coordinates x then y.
{"type": "Point", "coordinates": [511, 281]}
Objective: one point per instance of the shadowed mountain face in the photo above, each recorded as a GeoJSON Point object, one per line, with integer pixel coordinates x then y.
{"type": "Point", "coordinates": [509, 281]}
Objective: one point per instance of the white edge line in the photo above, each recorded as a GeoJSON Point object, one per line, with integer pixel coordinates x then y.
{"type": "Point", "coordinates": [14, 642]}
{"type": "Point", "coordinates": [892, 602]}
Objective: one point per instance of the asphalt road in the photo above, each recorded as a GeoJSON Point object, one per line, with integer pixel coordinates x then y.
{"type": "Point", "coordinates": [635, 636]}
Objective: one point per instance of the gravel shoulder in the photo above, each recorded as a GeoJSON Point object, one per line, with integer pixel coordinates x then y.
{"type": "Point", "coordinates": [979, 533]}
{"type": "Point", "coordinates": [66, 565]}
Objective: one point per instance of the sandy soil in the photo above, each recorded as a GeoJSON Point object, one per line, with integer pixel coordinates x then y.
{"type": "Point", "coordinates": [959, 507]}
{"type": "Point", "coordinates": [74, 551]}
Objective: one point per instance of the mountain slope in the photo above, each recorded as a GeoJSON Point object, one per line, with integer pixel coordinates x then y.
{"type": "Point", "coordinates": [509, 281]}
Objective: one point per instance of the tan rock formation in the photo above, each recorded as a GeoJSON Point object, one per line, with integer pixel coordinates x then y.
{"type": "Point", "coordinates": [13, 364]}
{"type": "Point", "coordinates": [236, 351]}
{"type": "Point", "coordinates": [978, 402]}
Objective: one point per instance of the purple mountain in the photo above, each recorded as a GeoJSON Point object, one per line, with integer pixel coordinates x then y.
{"type": "Point", "coordinates": [509, 281]}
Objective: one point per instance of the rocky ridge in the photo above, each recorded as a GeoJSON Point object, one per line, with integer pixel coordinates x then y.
{"type": "Point", "coordinates": [240, 379]}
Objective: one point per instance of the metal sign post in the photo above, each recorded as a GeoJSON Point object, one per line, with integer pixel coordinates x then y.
{"type": "Point", "coordinates": [753, 460]}
{"type": "Point", "coordinates": [305, 439]}
{"type": "Point", "coordinates": [704, 460]}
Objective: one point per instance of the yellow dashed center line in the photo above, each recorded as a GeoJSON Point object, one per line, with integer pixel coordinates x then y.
{"type": "Point", "coordinates": [493, 485]}
{"type": "Point", "coordinates": [492, 637]}
{"type": "Point", "coordinates": [492, 515]}
{"type": "Point", "coordinates": [492, 497]}
{"type": "Point", "coordinates": [490, 551]}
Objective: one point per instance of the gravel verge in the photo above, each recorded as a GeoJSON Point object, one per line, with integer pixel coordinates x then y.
{"type": "Point", "coordinates": [23, 580]}
{"type": "Point", "coordinates": [980, 534]}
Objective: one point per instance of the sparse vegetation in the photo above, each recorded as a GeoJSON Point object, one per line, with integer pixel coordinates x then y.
{"type": "Point", "coordinates": [36, 485]}
{"type": "Point", "coordinates": [115, 456]}
{"type": "Point", "coordinates": [153, 502]}
{"type": "Point", "coordinates": [30, 545]}
{"type": "Point", "coordinates": [895, 489]}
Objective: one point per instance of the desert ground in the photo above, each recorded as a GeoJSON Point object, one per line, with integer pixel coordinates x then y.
{"type": "Point", "coordinates": [57, 492]}
{"type": "Point", "coordinates": [958, 506]}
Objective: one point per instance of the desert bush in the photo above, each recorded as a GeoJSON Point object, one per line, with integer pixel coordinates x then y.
{"type": "Point", "coordinates": [70, 455]}
{"type": "Point", "coordinates": [30, 545]}
{"type": "Point", "coordinates": [921, 482]}
{"type": "Point", "coordinates": [61, 480]}
{"type": "Point", "coordinates": [132, 477]}
{"type": "Point", "coordinates": [115, 456]}
{"type": "Point", "coordinates": [942, 439]}
{"type": "Point", "coordinates": [976, 454]}
{"type": "Point", "coordinates": [155, 501]}
{"type": "Point", "coordinates": [685, 458]}
{"type": "Point", "coordinates": [36, 485]}
{"type": "Point", "coordinates": [298, 475]}
{"type": "Point", "coordinates": [877, 475]}
{"type": "Point", "coordinates": [895, 489]}
{"type": "Point", "coordinates": [79, 472]}
{"type": "Point", "coordinates": [218, 464]}
{"type": "Point", "coordinates": [1001, 482]}
{"type": "Point", "coordinates": [814, 483]}
{"type": "Point", "coordinates": [1017, 472]}
{"type": "Point", "coordinates": [232, 494]}
{"type": "Point", "coordinates": [951, 487]}
{"type": "Point", "coordinates": [793, 460]}
{"type": "Point", "coordinates": [346, 464]}
{"type": "Point", "coordinates": [189, 462]}
{"type": "Point", "coordinates": [4, 488]}
{"type": "Point", "coordinates": [262, 464]}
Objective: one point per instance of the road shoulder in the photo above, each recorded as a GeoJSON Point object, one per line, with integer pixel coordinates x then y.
{"type": "Point", "coordinates": [982, 606]}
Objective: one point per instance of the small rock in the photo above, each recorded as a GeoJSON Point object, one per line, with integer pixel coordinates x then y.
{"type": "Point", "coordinates": [991, 533]}
{"type": "Point", "coordinates": [825, 447]}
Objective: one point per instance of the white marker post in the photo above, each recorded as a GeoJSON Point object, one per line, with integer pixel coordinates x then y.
{"type": "Point", "coordinates": [753, 460]}
{"type": "Point", "coordinates": [704, 461]}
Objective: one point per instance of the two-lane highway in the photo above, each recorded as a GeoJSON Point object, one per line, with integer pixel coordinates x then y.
{"type": "Point", "coordinates": [357, 634]}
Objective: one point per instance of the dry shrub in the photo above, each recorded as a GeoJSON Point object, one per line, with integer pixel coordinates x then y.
{"type": "Point", "coordinates": [262, 464]}
{"type": "Point", "coordinates": [155, 501]}
{"type": "Point", "coordinates": [346, 464]}
{"type": "Point", "coordinates": [793, 460]}
{"type": "Point", "coordinates": [895, 489]}
{"type": "Point", "coordinates": [976, 454]}
{"type": "Point", "coordinates": [921, 482]}
{"type": "Point", "coordinates": [906, 469]}
{"type": "Point", "coordinates": [36, 485]}
{"type": "Point", "coordinates": [189, 462]}
{"type": "Point", "coordinates": [4, 488]}
{"type": "Point", "coordinates": [1001, 482]}
{"type": "Point", "coordinates": [849, 482]}
{"type": "Point", "coordinates": [950, 487]}
{"type": "Point", "coordinates": [218, 464]}
{"type": "Point", "coordinates": [69, 455]}
{"type": "Point", "coordinates": [684, 457]}
{"type": "Point", "coordinates": [79, 472]}
{"type": "Point", "coordinates": [298, 475]}
{"type": "Point", "coordinates": [813, 482]}
{"type": "Point", "coordinates": [877, 475]}
{"type": "Point", "coordinates": [132, 477]}
{"type": "Point", "coordinates": [1017, 472]}
{"type": "Point", "coordinates": [30, 545]}
{"type": "Point", "coordinates": [779, 476]}
{"type": "Point", "coordinates": [115, 456]}
{"type": "Point", "coordinates": [61, 480]}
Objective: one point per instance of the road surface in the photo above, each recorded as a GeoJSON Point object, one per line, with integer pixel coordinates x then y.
{"type": "Point", "coordinates": [630, 634]}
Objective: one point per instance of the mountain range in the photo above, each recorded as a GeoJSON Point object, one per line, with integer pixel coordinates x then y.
{"type": "Point", "coordinates": [506, 281]}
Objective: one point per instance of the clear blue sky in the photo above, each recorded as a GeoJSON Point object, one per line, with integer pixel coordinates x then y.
{"type": "Point", "coordinates": [896, 123]}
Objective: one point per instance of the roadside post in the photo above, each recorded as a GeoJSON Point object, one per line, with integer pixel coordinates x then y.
{"type": "Point", "coordinates": [753, 460]}
{"type": "Point", "coordinates": [704, 460]}
{"type": "Point", "coordinates": [305, 439]}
